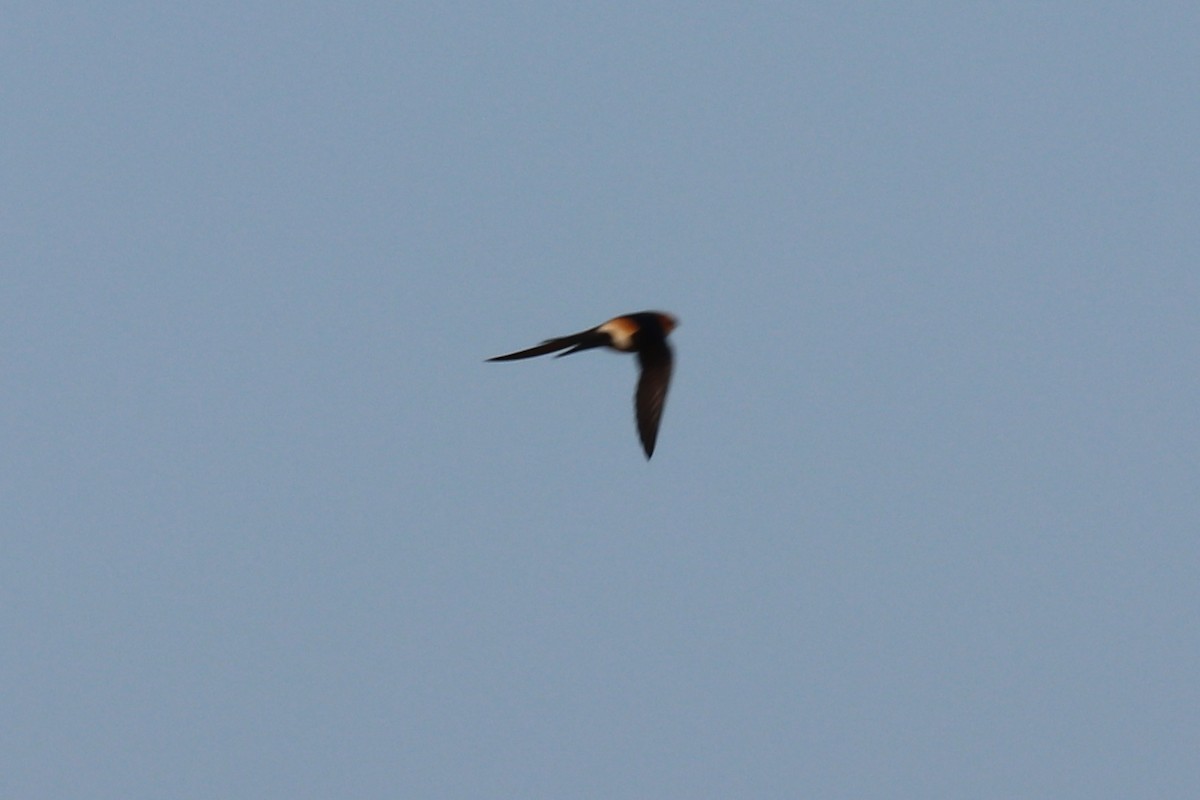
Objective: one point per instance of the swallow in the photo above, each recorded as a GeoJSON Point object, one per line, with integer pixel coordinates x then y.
{"type": "Point", "coordinates": [645, 334]}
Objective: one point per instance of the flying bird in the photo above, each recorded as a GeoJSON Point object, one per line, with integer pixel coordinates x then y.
{"type": "Point", "coordinates": [644, 333]}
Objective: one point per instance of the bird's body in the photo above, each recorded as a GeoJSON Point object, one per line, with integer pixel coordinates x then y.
{"type": "Point", "coordinates": [645, 334]}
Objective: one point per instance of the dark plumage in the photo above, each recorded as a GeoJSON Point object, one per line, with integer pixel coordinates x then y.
{"type": "Point", "coordinates": [645, 334]}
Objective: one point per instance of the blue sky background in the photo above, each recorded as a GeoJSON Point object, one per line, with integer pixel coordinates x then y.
{"type": "Point", "coordinates": [923, 517]}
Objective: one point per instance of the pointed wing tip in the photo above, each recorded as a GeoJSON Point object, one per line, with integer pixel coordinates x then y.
{"type": "Point", "coordinates": [648, 440]}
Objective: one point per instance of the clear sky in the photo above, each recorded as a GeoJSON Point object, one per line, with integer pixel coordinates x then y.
{"type": "Point", "coordinates": [923, 519]}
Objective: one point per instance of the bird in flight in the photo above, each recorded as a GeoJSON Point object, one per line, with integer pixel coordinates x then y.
{"type": "Point", "coordinates": [644, 333]}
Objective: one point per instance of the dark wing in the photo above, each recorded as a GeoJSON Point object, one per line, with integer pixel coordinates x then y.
{"type": "Point", "coordinates": [585, 340]}
{"type": "Point", "coordinates": [548, 346]}
{"type": "Point", "coordinates": [652, 393]}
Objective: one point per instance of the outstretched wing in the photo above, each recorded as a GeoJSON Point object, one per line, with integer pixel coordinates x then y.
{"type": "Point", "coordinates": [584, 340]}
{"type": "Point", "coordinates": [652, 393]}
{"type": "Point", "coordinates": [548, 346]}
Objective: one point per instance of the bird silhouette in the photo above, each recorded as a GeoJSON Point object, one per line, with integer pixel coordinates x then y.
{"type": "Point", "coordinates": [644, 333]}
